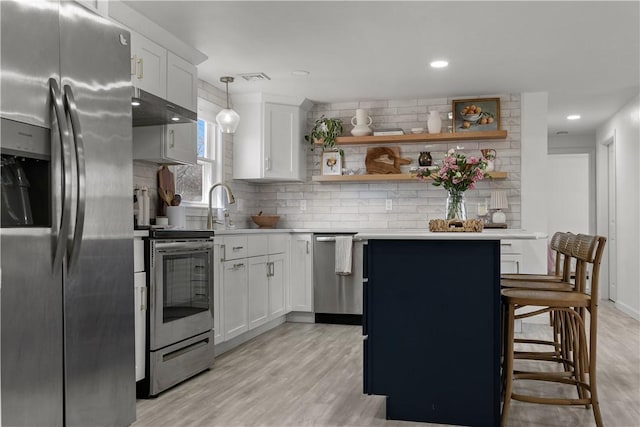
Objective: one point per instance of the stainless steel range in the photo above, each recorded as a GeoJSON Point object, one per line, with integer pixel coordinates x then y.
{"type": "Point", "coordinates": [180, 315]}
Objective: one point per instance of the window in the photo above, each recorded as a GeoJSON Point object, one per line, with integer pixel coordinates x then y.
{"type": "Point", "coordinates": [194, 181]}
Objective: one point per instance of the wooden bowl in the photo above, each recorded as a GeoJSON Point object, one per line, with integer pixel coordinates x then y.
{"type": "Point", "coordinates": [265, 221]}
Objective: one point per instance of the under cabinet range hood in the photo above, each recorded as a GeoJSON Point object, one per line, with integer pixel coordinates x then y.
{"type": "Point", "coordinates": [150, 110]}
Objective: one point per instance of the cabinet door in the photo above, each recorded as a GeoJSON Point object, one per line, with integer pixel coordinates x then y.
{"type": "Point", "coordinates": [301, 279]}
{"type": "Point", "coordinates": [218, 307]}
{"type": "Point", "coordinates": [140, 322]}
{"type": "Point", "coordinates": [277, 282]}
{"type": "Point", "coordinates": [180, 143]}
{"type": "Point", "coordinates": [148, 65]}
{"type": "Point", "coordinates": [510, 263]}
{"type": "Point", "coordinates": [258, 290]}
{"type": "Point", "coordinates": [281, 142]}
{"type": "Point", "coordinates": [182, 82]}
{"type": "Point", "coordinates": [234, 298]}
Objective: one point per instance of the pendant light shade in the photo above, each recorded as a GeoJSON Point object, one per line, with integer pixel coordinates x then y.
{"type": "Point", "coordinates": [228, 119]}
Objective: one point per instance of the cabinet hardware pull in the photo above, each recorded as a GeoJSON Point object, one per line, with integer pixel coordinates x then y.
{"type": "Point", "coordinates": [517, 267]}
{"type": "Point", "coordinates": [236, 266]}
{"type": "Point", "coordinates": [237, 248]}
{"type": "Point", "coordinates": [134, 60]}
{"type": "Point", "coordinates": [307, 247]}
{"type": "Point", "coordinates": [143, 300]}
{"type": "Point", "coordinates": [141, 72]}
{"type": "Point", "coordinates": [172, 137]}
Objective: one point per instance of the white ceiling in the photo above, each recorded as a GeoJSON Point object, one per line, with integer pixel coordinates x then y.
{"type": "Point", "coordinates": [586, 55]}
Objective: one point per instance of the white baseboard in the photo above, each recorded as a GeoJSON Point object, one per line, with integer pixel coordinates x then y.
{"type": "Point", "coordinates": [301, 317]}
{"type": "Point", "coordinates": [628, 310]}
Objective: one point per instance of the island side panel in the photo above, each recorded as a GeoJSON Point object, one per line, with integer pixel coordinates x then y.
{"type": "Point", "coordinates": [432, 316]}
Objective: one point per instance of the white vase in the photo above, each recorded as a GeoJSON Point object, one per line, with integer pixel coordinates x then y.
{"type": "Point", "coordinates": [362, 123]}
{"type": "Point", "coordinates": [434, 124]}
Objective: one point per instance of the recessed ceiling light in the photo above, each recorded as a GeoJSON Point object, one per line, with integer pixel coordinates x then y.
{"type": "Point", "coordinates": [300, 73]}
{"type": "Point", "coordinates": [135, 102]}
{"type": "Point", "coordinates": [573, 117]}
{"type": "Point", "coordinates": [175, 119]}
{"type": "Point", "coordinates": [439, 64]}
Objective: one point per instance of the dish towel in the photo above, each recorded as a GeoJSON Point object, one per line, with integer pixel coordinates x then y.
{"type": "Point", "coordinates": [344, 245]}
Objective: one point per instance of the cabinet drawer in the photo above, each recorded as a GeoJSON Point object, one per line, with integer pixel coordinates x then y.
{"type": "Point", "coordinates": [258, 245]}
{"type": "Point", "coordinates": [510, 247]}
{"type": "Point", "coordinates": [235, 247]}
{"type": "Point", "coordinates": [138, 255]}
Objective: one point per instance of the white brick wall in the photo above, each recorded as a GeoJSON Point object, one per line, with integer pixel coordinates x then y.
{"type": "Point", "coordinates": [362, 205]}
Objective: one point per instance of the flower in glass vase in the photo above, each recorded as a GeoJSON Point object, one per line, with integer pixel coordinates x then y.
{"type": "Point", "coordinates": [457, 174]}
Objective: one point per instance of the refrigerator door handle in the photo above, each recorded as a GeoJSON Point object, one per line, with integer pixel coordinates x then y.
{"type": "Point", "coordinates": [63, 164]}
{"type": "Point", "coordinates": [76, 243]}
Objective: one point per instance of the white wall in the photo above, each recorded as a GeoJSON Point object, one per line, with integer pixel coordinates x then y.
{"type": "Point", "coordinates": [624, 127]}
{"type": "Point", "coordinates": [533, 177]}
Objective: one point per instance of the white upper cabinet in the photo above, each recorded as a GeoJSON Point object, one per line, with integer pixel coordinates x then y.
{"type": "Point", "coordinates": [268, 145]}
{"type": "Point", "coordinates": [162, 73]}
{"type": "Point", "coordinates": [182, 82]}
{"type": "Point", "coordinates": [148, 65]}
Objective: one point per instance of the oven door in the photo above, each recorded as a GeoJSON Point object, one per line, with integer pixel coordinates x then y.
{"type": "Point", "coordinates": [181, 298]}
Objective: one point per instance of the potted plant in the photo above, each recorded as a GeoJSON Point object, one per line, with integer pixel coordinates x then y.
{"type": "Point", "coordinates": [325, 130]}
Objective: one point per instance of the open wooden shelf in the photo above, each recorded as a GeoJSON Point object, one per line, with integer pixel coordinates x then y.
{"type": "Point", "coordinates": [384, 177]}
{"type": "Point", "coordinates": [421, 137]}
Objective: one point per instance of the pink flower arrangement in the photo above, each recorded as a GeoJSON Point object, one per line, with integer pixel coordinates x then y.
{"type": "Point", "coordinates": [457, 173]}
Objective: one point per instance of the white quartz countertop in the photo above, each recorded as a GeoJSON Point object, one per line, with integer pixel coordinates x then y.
{"type": "Point", "coordinates": [407, 234]}
{"type": "Point", "coordinates": [497, 234]}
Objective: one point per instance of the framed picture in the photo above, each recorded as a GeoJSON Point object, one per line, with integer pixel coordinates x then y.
{"type": "Point", "coordinates": [331, 163]}
{"type": "Point", "coordinates": [476, 115]}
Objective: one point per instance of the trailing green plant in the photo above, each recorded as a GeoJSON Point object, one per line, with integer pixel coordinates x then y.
{"type": "Point", "coordinates": [325, 130]}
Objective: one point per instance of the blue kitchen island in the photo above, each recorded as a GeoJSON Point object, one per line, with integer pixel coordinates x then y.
{"type": "Point", "coordinates": [431, 324]}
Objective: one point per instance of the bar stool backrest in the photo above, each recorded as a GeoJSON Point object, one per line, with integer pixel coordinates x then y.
{"type": "Point", "coordinates": [588, 250]}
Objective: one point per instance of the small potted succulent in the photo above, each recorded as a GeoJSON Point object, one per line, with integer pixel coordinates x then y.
{"type": "Point", "coordinates": [325, 130]}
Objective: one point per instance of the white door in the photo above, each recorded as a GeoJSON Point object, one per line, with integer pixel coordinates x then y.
{"type": "Point", "coordinates": [148, 65]}
{"type": "Point", "coordinates": [568, 194]}
{"type": "Point", "coordinates": [258, 291]}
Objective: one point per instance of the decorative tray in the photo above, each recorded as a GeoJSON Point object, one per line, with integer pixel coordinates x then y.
{"type": "Point", "coordinates": [456, 225]}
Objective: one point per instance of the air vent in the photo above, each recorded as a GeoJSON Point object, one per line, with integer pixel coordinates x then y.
{"type": "Point", "coordinates": [255, 77]}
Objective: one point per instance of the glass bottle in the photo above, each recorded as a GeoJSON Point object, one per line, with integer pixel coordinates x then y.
{"type": "Point", "coordinates": [425, 159]}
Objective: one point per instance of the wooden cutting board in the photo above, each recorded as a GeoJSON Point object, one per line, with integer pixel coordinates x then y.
{"type": "Point", "coordinates": [384, 160]}
{"type": "Point", "coordinates": [166, 187]}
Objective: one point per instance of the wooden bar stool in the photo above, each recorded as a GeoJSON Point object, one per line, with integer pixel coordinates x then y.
{"type": "Point", "coordinates": [560, 244]}
{"type": "Point", "coordinates": [579, 355]}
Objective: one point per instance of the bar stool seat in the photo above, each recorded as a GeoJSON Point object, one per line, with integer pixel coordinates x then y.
{"type": "Point", "coordinates": [546, 285]}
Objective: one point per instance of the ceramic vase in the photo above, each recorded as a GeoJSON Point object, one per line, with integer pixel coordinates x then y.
{"type": "Point", "coordinates": [434, 124]}
{"type": "Point", "coordinates": [361, 122]}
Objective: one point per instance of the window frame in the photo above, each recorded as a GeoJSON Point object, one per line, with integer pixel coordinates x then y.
{"type": "Point", "coordinates": [207, 112]}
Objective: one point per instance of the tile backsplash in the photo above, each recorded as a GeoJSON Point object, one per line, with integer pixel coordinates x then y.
{"type": "Point", "coordinates": [363, 205]}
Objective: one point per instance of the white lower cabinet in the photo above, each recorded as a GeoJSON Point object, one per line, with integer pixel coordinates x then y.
{"type": "Point", "coordinates": [301, 276]}
{"type": "Point", "coordinates": [140, 321]}
{"type": "Point", "coordinates": [277, 280]}
{"type": "Point", "coordinates": [253, 282]}
{"type": "Point", "coordinates": [234, 298]}
{"type": "Point", "coordinates": [139, 307]}
{"type": "Point", "coordinates": [258, 291]}
{"type": "Point", "coordinates": [510, 257]}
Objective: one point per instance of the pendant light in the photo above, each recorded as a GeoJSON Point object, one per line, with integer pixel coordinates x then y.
{"type": "Point", "coordinates": [228, 119]}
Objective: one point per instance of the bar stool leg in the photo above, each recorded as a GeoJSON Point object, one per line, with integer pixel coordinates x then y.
{"type": "Point", "coordinates": [507, 370]}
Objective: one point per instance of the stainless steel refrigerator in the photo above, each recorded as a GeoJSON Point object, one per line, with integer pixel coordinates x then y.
{"type": "Point", "coordinates": [67, 348]}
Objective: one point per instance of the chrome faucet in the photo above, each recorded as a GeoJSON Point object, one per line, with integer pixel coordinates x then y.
{"type": "Point", "coordinates": [230, 199]}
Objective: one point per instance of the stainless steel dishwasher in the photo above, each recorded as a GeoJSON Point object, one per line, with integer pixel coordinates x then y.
{"type": "Point", "coordinates": [337, 298]}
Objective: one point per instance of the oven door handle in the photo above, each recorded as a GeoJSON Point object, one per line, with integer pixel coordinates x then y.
{"type": "Point", "coordinates": [195, 246]}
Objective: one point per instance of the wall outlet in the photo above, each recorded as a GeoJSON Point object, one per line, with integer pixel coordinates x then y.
{"type": "Point", "coordinates": [388, 205]}
{"type": "Point", "coordinates": [303, 205]}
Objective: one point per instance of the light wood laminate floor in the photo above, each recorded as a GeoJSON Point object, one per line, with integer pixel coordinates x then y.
{"type": "Point", "coordinates": [311, 375]}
